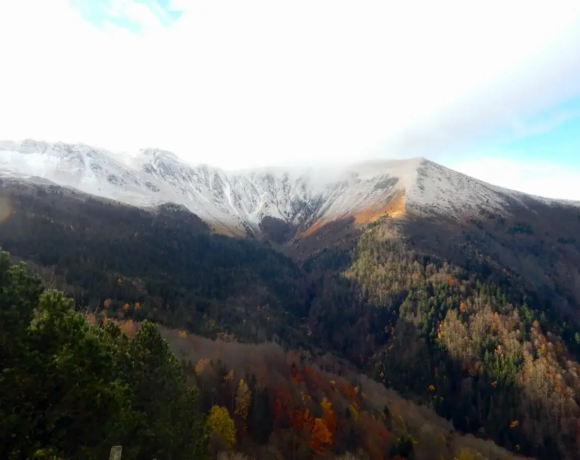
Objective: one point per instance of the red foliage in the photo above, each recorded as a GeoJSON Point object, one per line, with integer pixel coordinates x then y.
{"type": "Point", "coordinates": [314, 376]}
{"type": "Point", "coordinates": [282, 404]}
{"type": "Point", "coordinates": [296, 376]}
{"type": "Point", "coordinates": [351, 394]}
{"type": "Point", "coordinates": [329, 418]}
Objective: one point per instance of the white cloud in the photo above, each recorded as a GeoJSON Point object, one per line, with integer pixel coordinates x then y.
{"type": "Point", "coordinates": [536, 177]}
{"type": "Point", "coordinates": [256, 82]}
{"type": "Point", "coordinates": [143, 14]}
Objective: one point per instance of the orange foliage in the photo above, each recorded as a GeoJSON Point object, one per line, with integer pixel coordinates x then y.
{"type": "Point", "coordinates": [301, 419]}
{"type": "Point", "coordinates": [320, 436]}
{"type": "Point", "coordinates": [328, 415]}
{"type": "Point", "coordinates": [91, 318]}
{"type": "Point", "coordinates": [128, 328]}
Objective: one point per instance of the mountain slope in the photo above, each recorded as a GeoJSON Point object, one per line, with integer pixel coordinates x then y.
{"type": "Point", "coordinates": [466, 309]}
{"type": "Point", "coordinates": [446, 213]}
{"type": "Point", "coordinates": [237, 203]}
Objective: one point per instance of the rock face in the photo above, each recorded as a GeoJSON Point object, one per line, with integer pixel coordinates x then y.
{"type": "Point", "coordinates": [237, 203]}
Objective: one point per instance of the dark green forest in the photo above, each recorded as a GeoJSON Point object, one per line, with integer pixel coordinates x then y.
{"type": "Point", "coordinates": [73, 386]}
{"type": "Point", "coordinates": [468, 339]}
{"type": "Point", "coordinates": [71, 390]}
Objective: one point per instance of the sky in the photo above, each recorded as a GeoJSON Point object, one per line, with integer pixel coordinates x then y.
{"type": "Point", "coordinates": [490, 88]}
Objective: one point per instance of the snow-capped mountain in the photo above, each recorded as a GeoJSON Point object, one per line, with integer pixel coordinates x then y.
{"type": "Point", "coordinates": [237, 202]}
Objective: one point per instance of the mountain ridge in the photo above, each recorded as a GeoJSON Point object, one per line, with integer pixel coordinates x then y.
{"type": "Point", "coordinates": [237, 202]}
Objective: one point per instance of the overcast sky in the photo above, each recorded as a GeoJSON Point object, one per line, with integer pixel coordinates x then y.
{"type": "Point", "coordinates": [491, 88]}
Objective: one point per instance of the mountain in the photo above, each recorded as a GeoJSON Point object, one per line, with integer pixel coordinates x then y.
{"type": "Point", "coordinates": [244, 202]}
{"type": "Point", "coordinates": [462, 296]}
{"type": "Point", "coordinates": [534, 237]}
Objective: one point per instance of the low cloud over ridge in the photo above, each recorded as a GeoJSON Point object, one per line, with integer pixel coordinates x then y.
{"type": "Point", "coordinates": [243, 84]}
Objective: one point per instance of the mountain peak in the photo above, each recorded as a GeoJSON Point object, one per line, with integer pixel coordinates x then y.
{"type": "Point", "coordinates": [237, 202]}
{"type": "Point", "coordinates": [157, 153]}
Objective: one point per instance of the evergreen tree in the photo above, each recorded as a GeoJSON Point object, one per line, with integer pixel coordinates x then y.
{"type": "Point", "coordinates": [70, 389]}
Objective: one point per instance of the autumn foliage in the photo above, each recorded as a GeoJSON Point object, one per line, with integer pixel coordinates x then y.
{"type": "Point", "coordinates": [291, 404]}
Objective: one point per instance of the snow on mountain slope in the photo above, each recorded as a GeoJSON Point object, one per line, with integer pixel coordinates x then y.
{"type": "Point", "coordinates": [236, 202]}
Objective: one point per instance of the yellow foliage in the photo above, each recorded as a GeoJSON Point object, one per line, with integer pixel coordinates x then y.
{"type": "Point", "coordinates": [220, 423]}
{"type": "Point", "coordinates": [514, 424]}
{"type": "Point", "coordinates": [354, 411]}
{"type": "Point", "coordinates": [243, 400]}
{"type": "Point", "coordinates": [432, 387]}
{"type": "Point", "coordinates": [230, 376]}
{"type": "Point", "coordinates": [182, 334]}
{"type": "Point", "coordinates": [467, 454]}
{"type": "Point", "coordinates": [225, 337]}
{"type": "Point", "coordinates": [137, 306]}
{"type": "Point", "coordinates": [325, 404]}
{"type": "Point", "coordinates": [201, 365]}
{"type": "Point", "coordinates": [126, 307]}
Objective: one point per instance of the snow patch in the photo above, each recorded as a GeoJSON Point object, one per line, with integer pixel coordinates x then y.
{"type": "Point", "coordinates": [241, 199]}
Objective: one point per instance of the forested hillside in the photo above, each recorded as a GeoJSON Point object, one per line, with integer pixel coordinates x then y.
{"type": "Point", "coordinates": [166, 261]}
{"type": "Point", "coordinates": [73, 385]}
{"type": "Point", "coordinates": [456, 330]}
{"type": "Point", "coordinates": [472, 344]}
